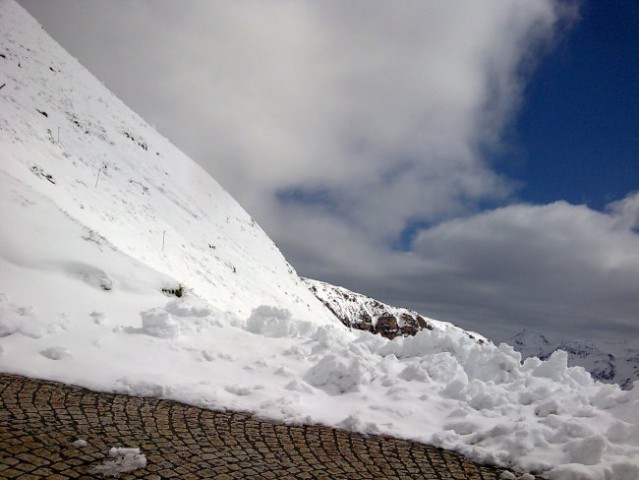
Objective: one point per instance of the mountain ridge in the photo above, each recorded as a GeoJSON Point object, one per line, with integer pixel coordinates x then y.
{"type": "Point", "coordinates": [607, 361]}
{"type": "Point", "coordinates": [357, 311]}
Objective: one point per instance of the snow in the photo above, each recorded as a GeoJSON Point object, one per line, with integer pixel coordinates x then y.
{"type": "Point", "coordinates": [124, 460]}
{"type": "Point", "coordinates": [159, 323]}
{"type": "Point", "coordinates": [81, 299]}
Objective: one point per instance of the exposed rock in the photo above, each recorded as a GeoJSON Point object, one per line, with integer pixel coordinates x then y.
{"type": "Point", "coordinates": [387, 326]}
{"type": "Point", "coordinates": [363, 313]}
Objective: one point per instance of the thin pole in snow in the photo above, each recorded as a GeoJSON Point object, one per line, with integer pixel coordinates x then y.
{"type": "Point", "coordinates": [102, 167]}
{"type": "Point", "coordinates": [58, 135]}
{"type": "Point", "coordinates": [163, 233]}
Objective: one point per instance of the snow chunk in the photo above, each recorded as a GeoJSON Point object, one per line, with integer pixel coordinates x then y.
{"type": "Point", "coordinates": [242, 390]}
{"type": "Point", "coordinates": [141, 388]}
{"type": "Point", "coordinates": [417, 372]}
{"type": "Point", "coordinates": [462, 427]}
{"type": "Point", "coordinates": [277, 322]}
{"type": "Point", "coordinates": [355, 424]}
{"type": "Point", "coordinates": [80, 443]}
{"type": "Point", "coordinates": [575, 471]}
{"type": "Point", "coordinates": [551, 407]}
{"type": "Point", "coordinates": [191, 307]}
{"type": "Point", "coordinates": [556, 368]}
{"type": "Point", "coordinates": [625, 470]}
{"type": "Point", "coordinates": [157, 322]}
{"type": "Point", "coordinates": [17, 319]}
{"type": "Point", "coordinates": [337, 375]}
{"type": "Point", "coordinates": [55, 353]}
{"type": "Point", "coordinates": [125, 460]}
{"type": "Point", "coordinates": [99, 318]}
{"type": "Point", "coordinates": [621, 431]}
{"type": "Point", "coordinates": [512, 476]}
{"type": "Point", "coordinates": [587, 451]}
{"type": "Point", "coordinates": [298, 386]}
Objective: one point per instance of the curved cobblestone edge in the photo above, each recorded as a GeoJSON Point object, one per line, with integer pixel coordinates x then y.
{"type": "Point", "coordinates": [40, 420]}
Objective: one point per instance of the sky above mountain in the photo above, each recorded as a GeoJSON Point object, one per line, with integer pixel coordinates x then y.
{"type": "Point", "coordinates": [475, 161]}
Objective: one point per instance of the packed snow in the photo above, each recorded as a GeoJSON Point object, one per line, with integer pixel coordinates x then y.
{"type": "Point", "coordinates": [103, 228]}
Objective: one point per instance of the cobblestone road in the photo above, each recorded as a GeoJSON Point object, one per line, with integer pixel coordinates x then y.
{"type": "Point", "coordinates": [39, 421]}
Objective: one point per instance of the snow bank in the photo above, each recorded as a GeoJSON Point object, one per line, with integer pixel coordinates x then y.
{"type": "Point", "coordinates": [438, 388]}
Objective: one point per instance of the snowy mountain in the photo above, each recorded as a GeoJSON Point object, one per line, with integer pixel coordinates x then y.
{"type": "Point", "coordinates": [125, 267]}
{"type": "Point", "coordinates": [358, 311]}
{"type": "Point", "coordinates": [606, 361]}
{"type": "Point", "coordinates": [610, 362]}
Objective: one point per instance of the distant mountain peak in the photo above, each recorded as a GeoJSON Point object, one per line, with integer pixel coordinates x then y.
{"type": "Point", "coordinates": [360, 312]}
{"type": "Point", "coordinates": [610, 362]}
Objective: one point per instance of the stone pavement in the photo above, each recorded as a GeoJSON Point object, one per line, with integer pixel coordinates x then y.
{"type": "Point", "coordinates": [40, 420]}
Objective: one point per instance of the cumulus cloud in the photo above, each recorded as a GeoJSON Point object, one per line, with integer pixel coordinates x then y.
{"type": "Point", "coordinates": [340, 124]}
{"type": "Point", "coordinates": [627, 210]}
{"type": "Point", "coordinates": [557, 267]}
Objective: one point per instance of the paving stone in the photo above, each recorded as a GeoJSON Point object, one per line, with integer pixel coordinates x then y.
{"type": "Point", "coordinates": [40, 420]}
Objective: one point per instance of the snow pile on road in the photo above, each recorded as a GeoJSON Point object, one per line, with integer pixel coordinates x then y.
{"type": "Point", "coordinates": [88, 296]}
{"type": "Point", "coordinates": [124, 460]}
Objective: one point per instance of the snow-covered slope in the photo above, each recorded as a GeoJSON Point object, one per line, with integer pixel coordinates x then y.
{"type": "Point", "coordinates": [358, 311]}
{"type": "Point", "coordinates": [68, 137]}
{"type": "Point", "coordinates": [83, 266]}
{"type": "Point", "coordinates": [607, 361]}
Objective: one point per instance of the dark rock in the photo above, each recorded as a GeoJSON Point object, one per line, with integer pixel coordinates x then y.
{"type": "Point", "coordinates": [387, 326]}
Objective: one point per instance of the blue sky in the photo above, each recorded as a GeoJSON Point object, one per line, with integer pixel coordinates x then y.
{"type": "Point", "coordinates": [406, 150]}
{"type": "Point", "coordinates": [578, 129]}
{"type": "Point", "coordinates": [576, 135]}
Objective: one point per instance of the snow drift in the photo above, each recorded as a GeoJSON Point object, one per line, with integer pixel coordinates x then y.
{"type": "Point", "coordinates": [106, 223]}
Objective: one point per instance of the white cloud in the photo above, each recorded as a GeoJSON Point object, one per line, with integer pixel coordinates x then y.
{"type": "Point", "coordinates": [556, 267]}
{"type": "Point", "coordinates": [383, 105]}
{"type": "Point", "coordinates": [627, 210]}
